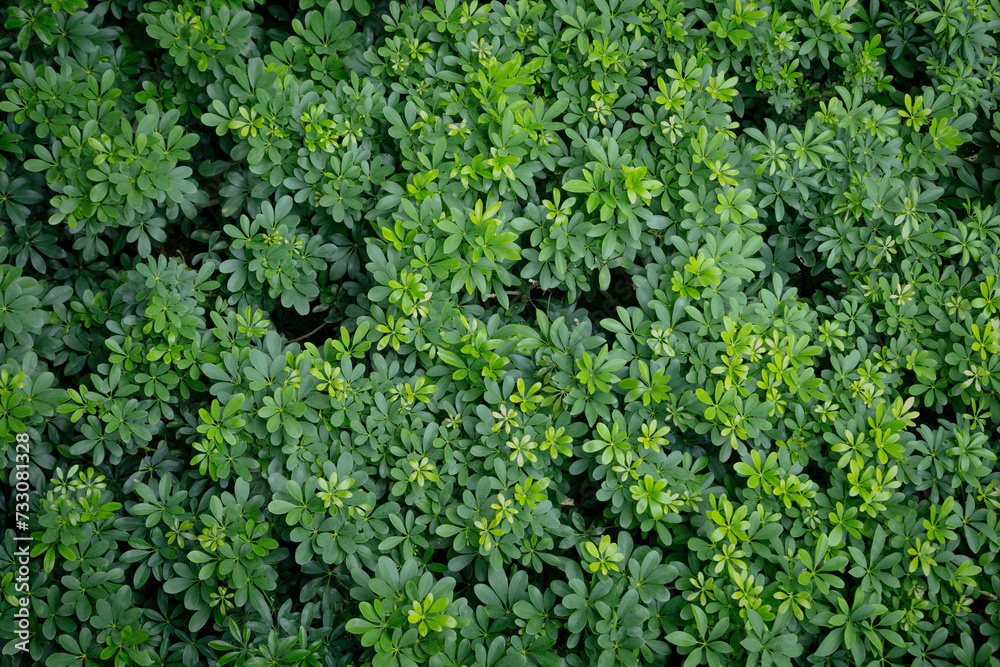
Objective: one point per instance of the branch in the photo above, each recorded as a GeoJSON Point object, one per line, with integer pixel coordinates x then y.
{"type": "Point", "coordinates": [296, 340]}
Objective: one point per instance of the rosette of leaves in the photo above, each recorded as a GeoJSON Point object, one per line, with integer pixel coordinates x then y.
{"type": "Point", "coordinates": [402, 613]}
{"type": "Point", "coordinates": [201, 39]}
{"type": "Point", "coordinates": [270, 259]}
{"type": "Point", "coordinates": [114, 172]}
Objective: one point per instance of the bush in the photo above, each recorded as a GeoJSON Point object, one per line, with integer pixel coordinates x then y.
{"type": "Point", "coordinates": [531, 333]}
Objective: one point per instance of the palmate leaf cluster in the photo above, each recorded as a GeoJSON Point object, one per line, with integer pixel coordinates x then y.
{"type": "Point", "coordinates": [516, 333]}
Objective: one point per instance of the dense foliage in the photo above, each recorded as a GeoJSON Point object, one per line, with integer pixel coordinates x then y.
{"type": "Point", "coordinates": [569, 332]}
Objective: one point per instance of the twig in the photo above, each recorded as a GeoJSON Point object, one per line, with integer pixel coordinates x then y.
{"type": "Point", "coordinates": [296, 340]}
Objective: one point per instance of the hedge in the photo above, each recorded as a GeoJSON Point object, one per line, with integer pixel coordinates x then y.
{"type": "Point", "coordinates": [538, 333]}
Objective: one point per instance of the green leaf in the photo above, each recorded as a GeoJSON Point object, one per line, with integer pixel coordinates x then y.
{"type": "Point", "coordinates": [680, 638]}
{"type": "Point", "coordinates": [830, 643]}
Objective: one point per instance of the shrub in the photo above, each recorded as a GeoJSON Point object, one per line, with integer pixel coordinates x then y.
{"type": "Point", "coordinates": [530, 333]}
